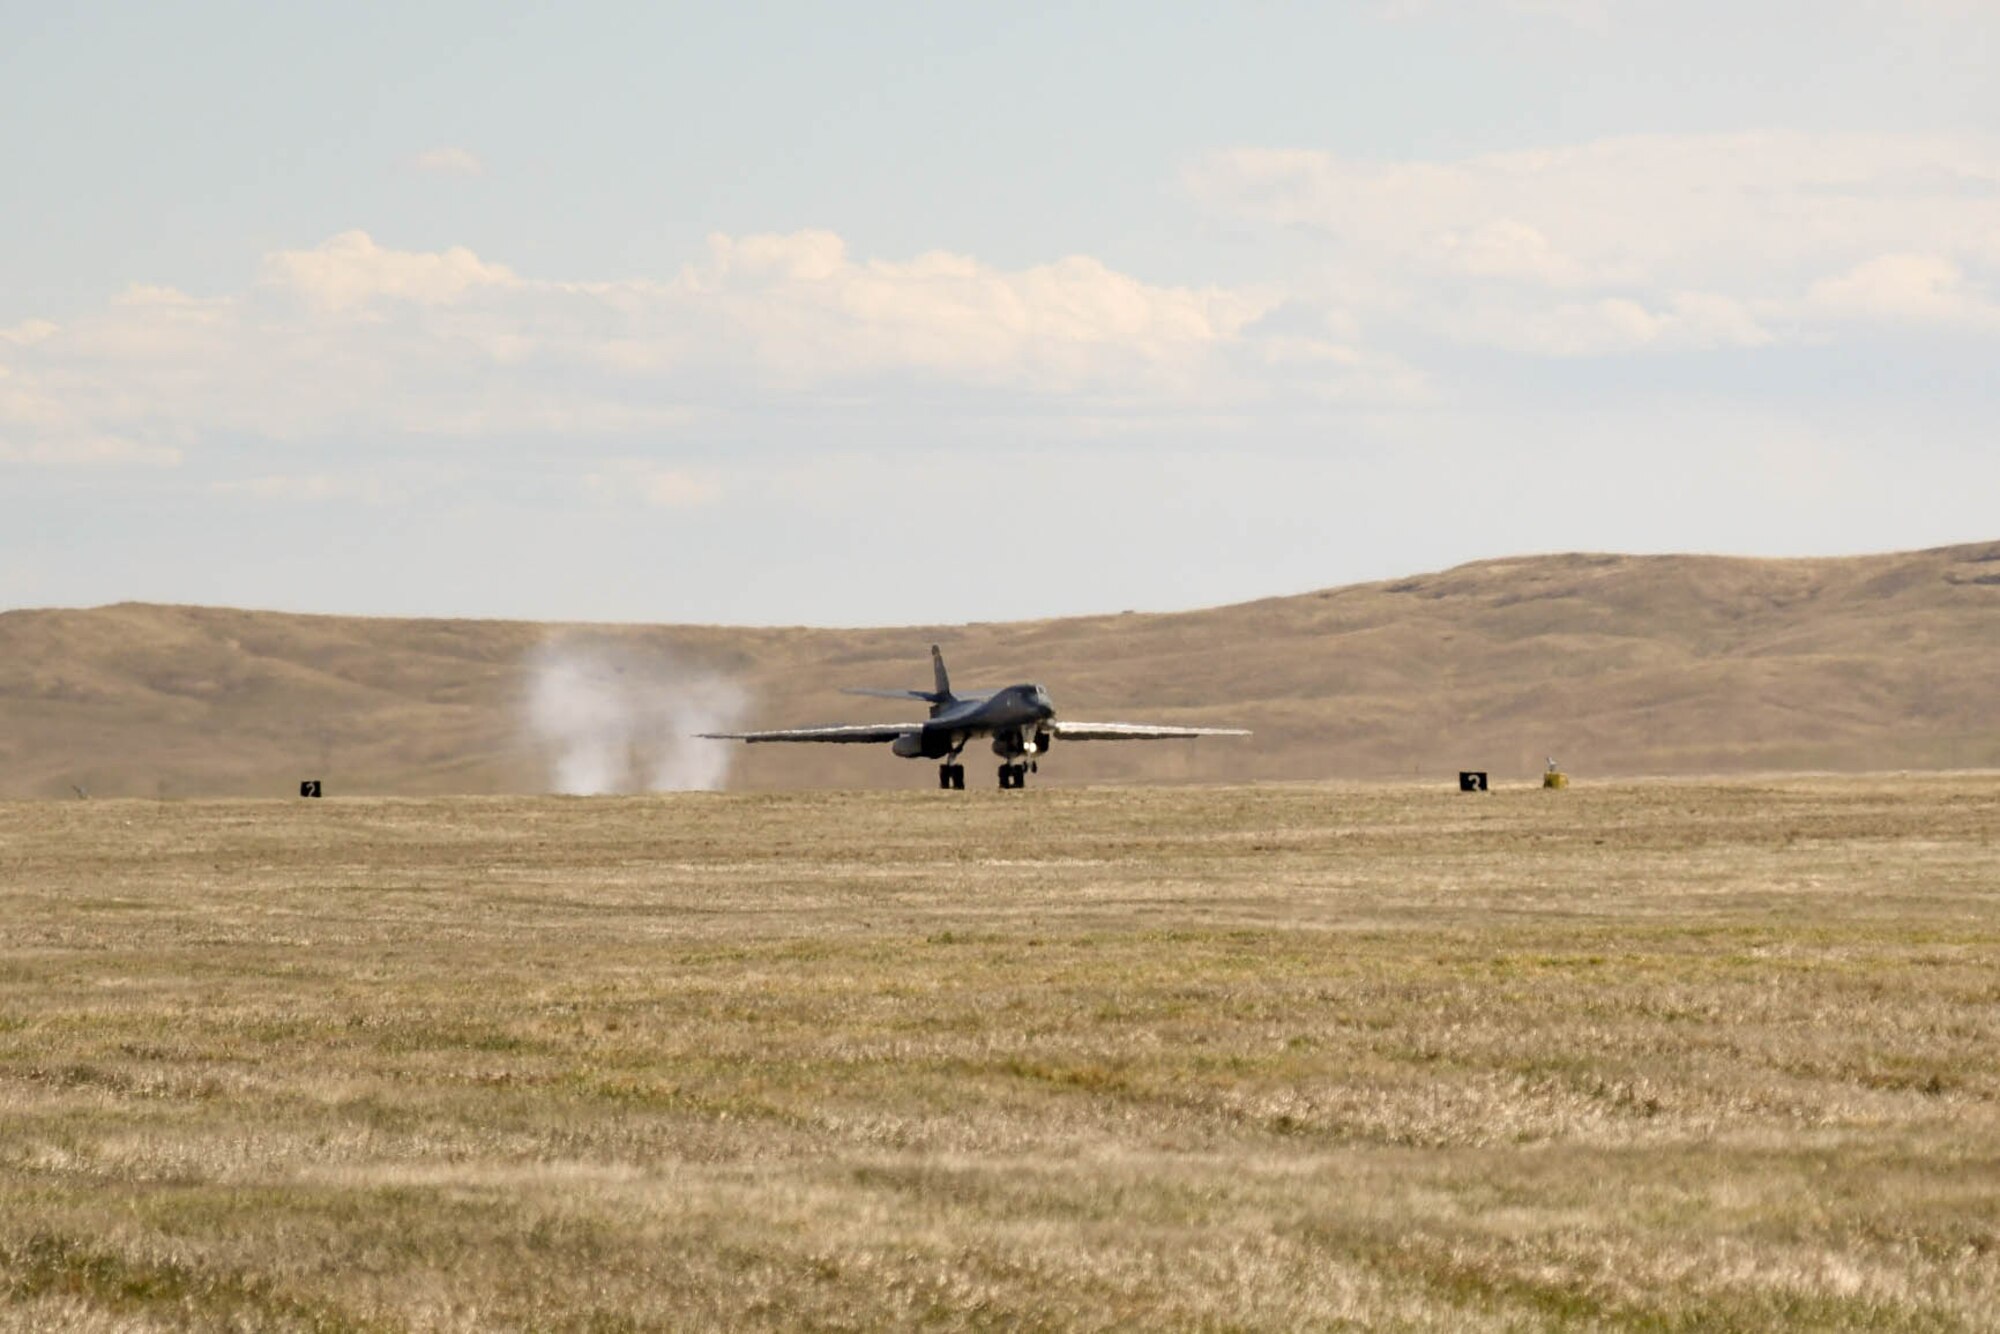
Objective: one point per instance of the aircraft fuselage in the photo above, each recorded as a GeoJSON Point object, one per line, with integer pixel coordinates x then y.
{"type": "Point", "coordinates": [1013, 717]}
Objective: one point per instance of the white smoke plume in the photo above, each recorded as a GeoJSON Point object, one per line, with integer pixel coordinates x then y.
{"type": "Point", "coordinates": [617, 717]}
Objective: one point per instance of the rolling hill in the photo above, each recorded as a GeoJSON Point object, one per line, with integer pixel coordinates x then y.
{"type": "Point", "coordinates": [1613, 664]}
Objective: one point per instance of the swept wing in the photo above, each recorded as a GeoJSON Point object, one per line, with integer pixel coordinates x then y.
{"type": "Point", "coordinates": [1069, 731]}
{"type": "Point", "coordinates": [860, 733]}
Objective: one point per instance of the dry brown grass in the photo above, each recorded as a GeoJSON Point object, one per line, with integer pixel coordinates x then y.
{"type": "Point", "coordinates": [1615, 664]}
{"type": "Point", "coordinates": [1657, 1056]}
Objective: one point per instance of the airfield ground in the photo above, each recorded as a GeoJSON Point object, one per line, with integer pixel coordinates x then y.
{"type": "Point", "coordinates": [1659, 1056]}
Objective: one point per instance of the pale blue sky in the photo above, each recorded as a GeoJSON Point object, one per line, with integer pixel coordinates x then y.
{"type": "Point", "coordinates": [910, 312]}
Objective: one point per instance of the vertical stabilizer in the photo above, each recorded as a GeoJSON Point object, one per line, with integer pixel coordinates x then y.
{"type": "Point", "coordinates": [943, 678]}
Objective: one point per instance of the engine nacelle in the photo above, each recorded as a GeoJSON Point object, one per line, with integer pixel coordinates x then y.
{"type": "Point", "coordinates": [1013, 746]}
{"type": "Point", "coordinates": [922, 745]}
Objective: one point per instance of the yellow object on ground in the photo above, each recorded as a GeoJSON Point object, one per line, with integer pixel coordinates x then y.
{"type": "Point", "coordinates": [1554, 779]}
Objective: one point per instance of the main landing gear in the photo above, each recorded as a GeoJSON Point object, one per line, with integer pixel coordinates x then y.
{"type": "Point", "coordinates": [951, 777]}
{"type": "Point", "coordinates": [1015, 751]}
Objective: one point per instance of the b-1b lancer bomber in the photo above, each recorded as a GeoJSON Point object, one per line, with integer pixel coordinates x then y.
{"type": "Point", "coordinates": [1020, 719]}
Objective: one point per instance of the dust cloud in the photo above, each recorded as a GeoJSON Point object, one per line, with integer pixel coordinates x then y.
{"type": "Point", "coordinates": [618, 717]}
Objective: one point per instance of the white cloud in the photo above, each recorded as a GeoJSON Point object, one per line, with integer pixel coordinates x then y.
{"type": "Point", "coordinates": [1629, 242]}
{"type": "Point", "coordinates": [1620, 247]}
{"type": "Point", "coordinates": [653, 485]}
{"type": "Point", "coordinates": [26, 332]}
{"type": "Point", "coordinates": [1567, 327]}
{"type": "Point", "coordinates": [808, 310]}
{"type": "Point", "coordinates": [355, 339]}
{"type": "Point", "coordinates": [352, 270]}
{"type": "Point", "coordinates": [449, 161]}
{"type": "Point", "coordinates": [1506, 249]}
{"type": "Point", "coordinates": [39, 428]}
{"type": "Point", "coordinates": [1906, 288]}
{"type": "Point", "coordinates": [87, 451]}
{"type": "Point", "coordinates": [312, 487]}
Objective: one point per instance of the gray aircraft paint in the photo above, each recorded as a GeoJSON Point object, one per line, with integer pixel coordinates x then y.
{"type": "Point", "coordinates": [1020, 720]}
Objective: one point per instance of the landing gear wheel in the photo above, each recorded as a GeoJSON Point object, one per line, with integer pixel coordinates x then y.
{"type": "Point", "coordinates": [951, 777]}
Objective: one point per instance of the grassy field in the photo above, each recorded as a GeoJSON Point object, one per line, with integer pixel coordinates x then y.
{"type": "Point", "coordinates": [1648, 1056]}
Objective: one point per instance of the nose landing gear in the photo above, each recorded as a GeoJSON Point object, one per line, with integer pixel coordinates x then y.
{"type": "Point", "coordinates": [1014, 775]}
